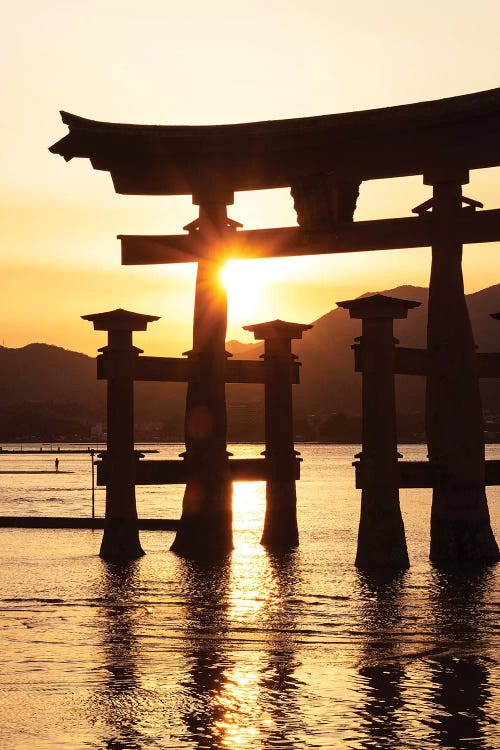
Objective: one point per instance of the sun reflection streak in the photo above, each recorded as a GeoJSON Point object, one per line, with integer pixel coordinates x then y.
{"type": "Point", "coordinates": [240, 701]}
{"type": "Point", "coordinates": [258, 699]}
{"type": "Point", "coordinates": [250, 588]}
{"type": "Point", "coordinates": [241, 683]}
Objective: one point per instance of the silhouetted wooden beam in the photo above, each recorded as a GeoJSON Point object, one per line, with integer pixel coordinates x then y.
{"type": "Point", "coordinates": [62, 522]}
{"type": "Point", "coordinates": [161, 369]}
{"type": "Point", "coordinates": [421, 474]}
{"type": "Point", "coordinates": [253, 371]}
{"type": "Point", "coordinates": [165, 472]}
{"type": "Point", "coordinates": [175, 471]}
{"type": "Point", "coordinates": [245, 371]}
{"type": "Point", "coordinates": [410, 361]}
{"type": "Point", "coordinates": [489, 364]}
{"type": "Point", "coordinates": [412, 474]}
{"type": "Point", "coordinates": [161, 472]}
{"type": "Point", "coordinates": [407, 361]}
{"type": "Point", "coordinates": [178, 370]}
{"type": "Point", "coordinates": [358, 236]}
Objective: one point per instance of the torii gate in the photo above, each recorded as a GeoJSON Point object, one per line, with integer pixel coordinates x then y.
{"type": "Point", "coordinates": [324, 160]}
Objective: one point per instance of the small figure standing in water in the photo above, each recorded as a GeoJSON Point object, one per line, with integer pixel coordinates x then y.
{"type": "Point", "coordinates": [56, 462]}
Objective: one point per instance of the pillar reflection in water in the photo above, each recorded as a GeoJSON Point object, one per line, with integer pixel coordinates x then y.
{"type": "Point", "coordinates": [459, 675]}
{"type": "Point", "coordinates": [205, 587]}
{"type": "Point", "coordinates": [118, 703]}
{"type": "Point", "coordinates": [232, 698]}
{"type": "Point", "coordinates": [381, 673]}
{"type": "Point", "coordinates": [455, 706]}
{"type": "Point", "coordinates": [279, 688]}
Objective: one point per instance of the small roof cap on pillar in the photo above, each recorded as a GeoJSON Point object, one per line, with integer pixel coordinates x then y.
{"type": "Point", "coordinates": [278, 329]}
{"type": "Point", "coordinates": [378, 306]}
{"type": "Point", "coordinates": [120, 320]}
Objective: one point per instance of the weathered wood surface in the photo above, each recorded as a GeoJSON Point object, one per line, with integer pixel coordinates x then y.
{"type": "Point", "coordinates": [121, 535]}
{"type": "Point", "coordinates": [177, 471]}
{"type": "Point", "coordinates": [280, 520]}
{"type": "Point", "coordinates": [460, 523]}
{"type": "Point", "coordinates": [381, 535]}
{"type": "Point", "coordinates": [178, 370]}
{"type": "Point", "coordinates": [357, 236]}
{"type": "Point", "coordinates": [413, 361]}
{"type": "Point", "coordinates": [205, 528]}
{"type": "Point", "coordinates": [422, 474]}
{"type": "Point", "coordinates": [489, 364]}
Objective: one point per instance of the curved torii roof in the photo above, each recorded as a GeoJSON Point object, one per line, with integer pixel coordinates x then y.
{"type": "Point", "coordinates": [462, 131]}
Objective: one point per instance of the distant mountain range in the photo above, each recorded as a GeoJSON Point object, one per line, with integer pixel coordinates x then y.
{"type": "Point", "coordinates": [42, 374]}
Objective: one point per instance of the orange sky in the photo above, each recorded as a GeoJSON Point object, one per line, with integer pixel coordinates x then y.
{"type": "Point", "coordinates": [194, 62]}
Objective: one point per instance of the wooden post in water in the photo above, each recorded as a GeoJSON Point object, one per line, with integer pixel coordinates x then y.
{"type": "Point", "coordinates": [381, 536]}
{"type": "Point", "coordinates": [121, 535]}
{"type": "Point", "coordinates": [280, 523]}
{"type": "Point", "coordinates": [93, 482]}
{"type": "Point", "coordinates": [205, 528]}
{"type": "Point", "coordinates": [460, 522]}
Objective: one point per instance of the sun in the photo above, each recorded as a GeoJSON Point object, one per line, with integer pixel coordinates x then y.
{"type": "Point", "coordinates": [249, 286]}
{"type": "Point", "coordinates": [244, 282]}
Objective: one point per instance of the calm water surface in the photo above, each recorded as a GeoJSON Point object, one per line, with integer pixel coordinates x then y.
{"type": "Point", "coordinates": [290, 652]}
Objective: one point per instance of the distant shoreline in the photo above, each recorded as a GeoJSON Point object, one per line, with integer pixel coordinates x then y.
{"type": "Point", "coordinates": [33, 448]}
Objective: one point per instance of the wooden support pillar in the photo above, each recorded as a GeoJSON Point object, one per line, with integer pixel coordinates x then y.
{"type": "Point", "coordinates": [121, 535]}
{"type": "Point", "coordinates": [280, 523]}
{"type": "Point", "coordinates": [381, 536]}
{"type": "Point", "coordinates": [205, 528]}
{"type": "Point", "coordinates": [460, 523]}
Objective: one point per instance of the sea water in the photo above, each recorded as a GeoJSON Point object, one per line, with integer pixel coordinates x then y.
{"type": "Point", "coordinates": [262, 651]}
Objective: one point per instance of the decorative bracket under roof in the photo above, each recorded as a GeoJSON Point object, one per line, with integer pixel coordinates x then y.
{"type": "Point", "coordinates": [194, 226]}
{"type": "Point", "coordinates": [426, 207]}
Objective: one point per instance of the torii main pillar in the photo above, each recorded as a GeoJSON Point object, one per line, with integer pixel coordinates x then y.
{"type": "Point", "coordinates": [460, 522]}
{"type": "Point", "coordinates": [205, 528]}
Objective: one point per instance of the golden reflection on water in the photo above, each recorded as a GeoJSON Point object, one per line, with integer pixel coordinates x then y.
{"type": "Point", "coordinates": [241, 634]}
{"type": "Point", "coordinates": [237, 627]}
{"type": "Point", "coordinates": [258, 651]}
{"type": "Point", "coordinates": [238, 697]}
{"type": "Point", "coordinates": [259, 698]}
{"type": "Point", "coordinates": [250, 585]}
{"type": "Point", "coordinates": [236, 611]}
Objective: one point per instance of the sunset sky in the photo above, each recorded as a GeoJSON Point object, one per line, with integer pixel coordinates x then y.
{"type": "Point", "coordinates": [199, 62]}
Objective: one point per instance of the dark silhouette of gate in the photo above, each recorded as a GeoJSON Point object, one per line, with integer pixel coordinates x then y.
{"type": "Point", "coordinates": [323, 160]}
